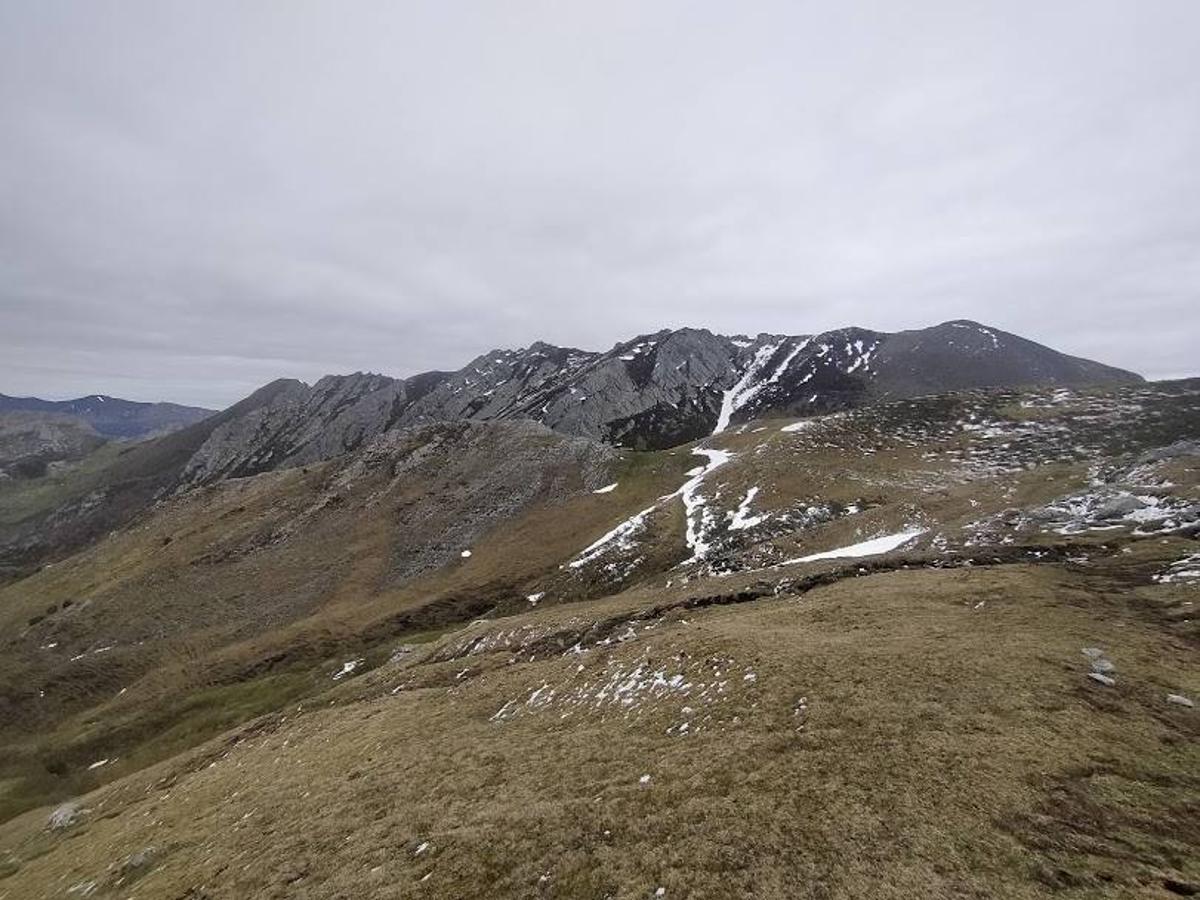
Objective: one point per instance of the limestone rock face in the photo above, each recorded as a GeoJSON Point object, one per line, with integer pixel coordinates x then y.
{"type": "Point", "coordinates": [300, 425]}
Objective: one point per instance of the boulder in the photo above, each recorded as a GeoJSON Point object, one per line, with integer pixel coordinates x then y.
{"type": "Point", "coordinates": [65, 816]}
{"type": "Point", "coordinates": [1119, 507]}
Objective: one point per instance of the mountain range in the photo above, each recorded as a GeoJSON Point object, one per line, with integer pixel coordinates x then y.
{"type": "Point", "coordinates": [650, 392]}
{"type": "Point", "coordinates": [110, 417]}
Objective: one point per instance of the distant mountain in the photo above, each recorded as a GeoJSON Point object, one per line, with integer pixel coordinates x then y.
{"type": "Point", "coordinates": [31, 441]}
{"type": "Point", "coordinates": [111, 416]}
{"type": "Point", "coordinates": [654, 391]}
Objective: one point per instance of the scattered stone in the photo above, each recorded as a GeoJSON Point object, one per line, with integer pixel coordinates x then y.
{"type": "Point", "coordinates": [1101, 667]}
{"type": "Point", "coordinates": [645, 779]}
{"type": "Point", "coordinates": [136, 862]}
{"type": "Point", "coordinates": [1180, 700]}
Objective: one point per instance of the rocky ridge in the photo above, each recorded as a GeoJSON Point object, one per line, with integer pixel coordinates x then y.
{"type": "Point", "coordinates": [651, 392]}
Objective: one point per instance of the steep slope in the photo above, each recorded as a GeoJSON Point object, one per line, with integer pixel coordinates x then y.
{"type": "Point", "coordinates": [415, 529]}
{"type": "Point", "coordinates": [112, 416]}
{"type": "Point", "coordinates": [941, 645]}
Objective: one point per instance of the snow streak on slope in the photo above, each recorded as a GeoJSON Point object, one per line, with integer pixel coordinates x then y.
{"type": "Point", "coordinates": [748, 387]}
{"type": "Point", "coordinates": [620, 536]}
{"type": "Point", "coordinates": [699, 518]}
{"type": "Point", "coordinates": [740, 393]}
{"type": "Point", "coordinates": [692, 501]}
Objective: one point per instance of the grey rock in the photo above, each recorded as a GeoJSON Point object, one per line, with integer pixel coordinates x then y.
{"type": "Point", "coordinates": [477, 475]}
{"type": "Point", "coordinates": [1102, 679]}
{"type": "Point", "coordinates": [299, 425]}
{"type": "Point", "coordinates": [65, 816]}
{"type": "Point", "coordinates": [136, 863]}
{"type": "Point", "coordinates": [1119, 507]}
{"type": "Point", "coordinates": [1180, 700]}
{"type": "Point", "coordinates": [1171, 451]}
{"type": "Point", "coordinates": [1044, 514]}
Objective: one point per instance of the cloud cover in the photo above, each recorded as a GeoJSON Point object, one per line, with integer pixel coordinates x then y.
{"type": "Point", "coordinates": [196, 198]}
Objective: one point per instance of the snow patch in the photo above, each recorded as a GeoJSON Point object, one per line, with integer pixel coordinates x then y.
{"type": "Point", "coordinates": [1185, 570]}
{"type": "Point", "coordinates": [742, 519]}
{"type": "Point", "coordinates": [348, 668]}
{"type": "Point", "coordinates": [873, 547]}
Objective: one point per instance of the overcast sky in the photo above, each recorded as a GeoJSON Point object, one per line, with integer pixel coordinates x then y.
{"type": "Point", "coordinates": [199, 197]}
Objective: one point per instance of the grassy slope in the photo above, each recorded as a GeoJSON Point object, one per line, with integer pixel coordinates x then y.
{"type": "Point", "coordinates": [896, 738]}
{"type": "Point", "coordinates": [203, 599]}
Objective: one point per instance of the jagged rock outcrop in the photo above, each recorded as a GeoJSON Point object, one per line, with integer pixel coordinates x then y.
{"type": "Point", "coordinates": [300, 425]}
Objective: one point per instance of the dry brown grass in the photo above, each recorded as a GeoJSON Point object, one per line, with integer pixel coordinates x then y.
{"type": "Point", "coordinates": [944, 749]}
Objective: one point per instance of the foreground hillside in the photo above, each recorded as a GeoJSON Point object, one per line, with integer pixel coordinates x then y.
{"type": "Point", "coordinates": [941, 645]}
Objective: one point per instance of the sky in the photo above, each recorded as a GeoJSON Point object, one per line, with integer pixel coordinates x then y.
{"type": "Point", "coordinates": [197, 198]}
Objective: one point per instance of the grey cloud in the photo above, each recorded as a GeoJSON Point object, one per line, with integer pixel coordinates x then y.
{"type": "Point", "coordinates": [197, 198]}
